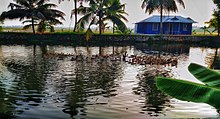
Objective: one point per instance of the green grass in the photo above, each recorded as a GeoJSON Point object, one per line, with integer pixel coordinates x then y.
{"type": "Point", "coordinates": [198, 31]}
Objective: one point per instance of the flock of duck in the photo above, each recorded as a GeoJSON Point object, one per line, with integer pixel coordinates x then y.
{"type": "Point", "coordinates": [132, 59]}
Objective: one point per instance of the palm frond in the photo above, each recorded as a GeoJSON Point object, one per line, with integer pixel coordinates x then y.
{"type": "Point", "coordinates": [84, 20]}
{"type": "Point", "coordinates": [14, 6]}
{"type": "Point", "coordinates": [28, 26]}
{"type": "Point", "coordinates": [29, 21]}
{"type": "Point", "coordinates": [23, 3]}
{"type": "Point", "coordinates": [14, 14]}
{"type": "Point", "coordinates": [47, 6]}
{"type": "Point", "coordinates": [181, 3]}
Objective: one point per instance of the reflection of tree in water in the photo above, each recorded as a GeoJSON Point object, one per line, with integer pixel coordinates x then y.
{"type": "Point", "coordinates": [93, 81]}
{"type": "Point", "coordinates": [163, 49]}
{"type": "Point", "coordinates": [6, 109]}
{"type": "Point", "coordinates": [213, 60]}
{"type": "Point", "coordinates": [26, 85]}
{"type": "Point", "coordinates": [82, 83]}
{"type": "Point", "coordinates": [155, 100]}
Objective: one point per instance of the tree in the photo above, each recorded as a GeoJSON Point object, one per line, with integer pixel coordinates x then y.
{"type": "Point", "coordinates": [33, 10]}
{"type": "Point", "coordinates": [205, 29]}
{"type": "Point", "coordinates": [215, 21]}
{"type": "Point", "coordinates": [160, 5]}
{"type": "Point", "coordinates": [76, 13]}
{"type": "Point", "coordinates": [100, 11]}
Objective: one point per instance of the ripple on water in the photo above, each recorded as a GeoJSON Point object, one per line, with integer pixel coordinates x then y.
{"type": "Point", "coordinates": [32, 86]}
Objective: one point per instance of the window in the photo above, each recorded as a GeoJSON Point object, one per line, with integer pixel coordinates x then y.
{"type": "Point", "coordinates": [185, 27]}
{"type": "Point", "coordinates": [155, 27]}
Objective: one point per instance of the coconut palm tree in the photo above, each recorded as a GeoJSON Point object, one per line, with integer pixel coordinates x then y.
{"type": "Point", "coordinates": [42, 25]}
{"type": "Point", "coordinates": [205, 29]}
{"type": "Point", "coordinates": [168, 5]}
{"type": "Point", "coordinates": [100, 11]}
{"type": "Point", "coordinates": [215, 21]}
{"type": "Point", "coordinates": [76, 13]}
{"type": "Point", "coordinates": [33, 10]}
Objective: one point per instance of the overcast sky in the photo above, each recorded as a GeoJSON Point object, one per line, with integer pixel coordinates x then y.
{"type": "Point", "coordinates": [198, 10]}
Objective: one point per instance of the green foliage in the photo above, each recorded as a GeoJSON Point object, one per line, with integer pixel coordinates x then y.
{"type": "Point", "coordinates": [205, 75]}
{"type": "Point", "coordinates": [33, 10]}
{"type": "Point", "coordinates": [206, 29]}
{"type": "Point", "coordinates": [194, 32]}
{"type": "Point", "coordinates": [126, 31]}
{"type": "Point", "coordinates": [42, 26]}
{"type": "Point", "coordinates": [168, 5]}
{"type": "Point", "coordinates": [190, 91]}
{"type": "Point", "coordinates": [214, 22]}
{"type": "Point", "coordinates": [99, 12]}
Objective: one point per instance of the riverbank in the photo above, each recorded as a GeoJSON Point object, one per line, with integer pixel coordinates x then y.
{"type": "Point", "coordinates": [28, 38]}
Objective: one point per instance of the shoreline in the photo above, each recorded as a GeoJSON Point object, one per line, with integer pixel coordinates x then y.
{"type": "Point", "coordinates": [79, 39]}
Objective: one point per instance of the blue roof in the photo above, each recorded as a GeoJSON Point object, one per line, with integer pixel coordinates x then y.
{"type": "Point", "coordinates": [168, 19]}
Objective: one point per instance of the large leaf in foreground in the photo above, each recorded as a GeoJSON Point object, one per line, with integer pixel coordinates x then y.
{"type": "Point", "coordinates": [189, 91]}
{"type": "Point", "coordinates": [207, 76]}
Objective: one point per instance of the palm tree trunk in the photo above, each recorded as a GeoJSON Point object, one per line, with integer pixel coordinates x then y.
{"type": "Point", "coordinates": [32, 24]}
{"type": "Point", "coordinates": [161, 19]}
{"type": "Point", "coordinates": [76, 19]}
{"type": "Point", "coordinates": [100, 25]}
{"type": "Point", "coordinates": [218, 22]}
{"type": "Point", "coordinates": [113, 28]}
{"type": "Point", "coordinates": [218, 32]}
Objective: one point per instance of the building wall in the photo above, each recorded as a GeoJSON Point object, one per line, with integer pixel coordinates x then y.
{"type": "Point", "coordinates": [188, 31]}
{"type": "Point", "coordinates": [147, 28]}
{"type": "Point", "coordinates": [168, 28]}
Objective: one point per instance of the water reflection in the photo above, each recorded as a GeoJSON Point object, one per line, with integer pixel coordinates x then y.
{"type": "Point", "coordinates": [35, 86]}
{"type": "Point", "coordinates": [81, 83]}
{"type": "Point", "coordinates": [25, 83]}
{"type": "Point", "coordinates": [215, 62]}
{"type": "Point", "coordinates": [163, 49]}
{"type": "Point", "coordinates": [155, 100]}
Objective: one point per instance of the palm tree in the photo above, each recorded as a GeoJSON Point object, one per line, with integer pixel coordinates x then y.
{"type": "Point", "coordinates": [205, 29]}
{"type": "Point", "coordinates": [215, 21]}
{"type": "Point", "coordinates": [42, 25]}
{"type": "Point", "coordinates": [33, 10]}
{"type": "Point", "coordinates": [100, 11]}
{"type": "Point", "coordinates": [160, 5]}
{"type": "Point", "coordinates": [76, 13]}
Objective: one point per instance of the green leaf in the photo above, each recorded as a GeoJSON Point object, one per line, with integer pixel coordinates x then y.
{"type": "Point", "coordinates": [189, 91]}
{"type": "Point", "coordinates": [207, 76]}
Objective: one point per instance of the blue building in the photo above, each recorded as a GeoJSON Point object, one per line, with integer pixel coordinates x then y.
{"type": "Point", "coordinates": [173, 25]}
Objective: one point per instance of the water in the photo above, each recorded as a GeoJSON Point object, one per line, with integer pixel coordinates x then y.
{"type": "Point", "coordinates": [41, 82]}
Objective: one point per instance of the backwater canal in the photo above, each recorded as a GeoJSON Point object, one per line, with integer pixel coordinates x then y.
{"type": "Point", "coordinates": [52, 82]}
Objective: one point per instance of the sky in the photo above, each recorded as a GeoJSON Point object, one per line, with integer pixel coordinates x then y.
{"type": "Point", "coordinates": [198, 10]}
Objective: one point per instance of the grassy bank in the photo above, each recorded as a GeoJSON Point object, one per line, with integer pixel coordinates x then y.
{"type": "Point", "coordinates": [79, 39]}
